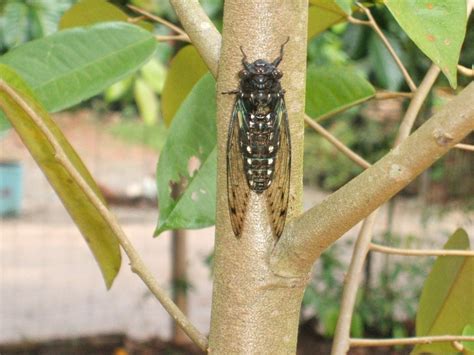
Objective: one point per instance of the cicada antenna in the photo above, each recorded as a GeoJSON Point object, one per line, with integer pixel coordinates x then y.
{"type": "Point", "coordinates": [244, 59]}
{"type": "Point", "coordinates": [277, 61]}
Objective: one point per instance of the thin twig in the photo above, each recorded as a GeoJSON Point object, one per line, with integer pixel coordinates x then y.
{"type": "Point", "coordinates": [337, 143]}
{"type": "Point", "coordinates": [419, 252]}
{"type": "Point", "coordinates": [409, 341]}
{"type": "Point", "coordinates": [135, 19]}
{"type": "Point", "coordinates": [466, 71]}
{"type": "Point", "coordinates": [379, 95]}
{"type": "Point", "coordinates": [343, 109]}
{"type": "Point", "coordinates": [468, 147]}
{"type": "Point", "coordinates": [163, 38]}
{"type": "Point", "coordinates": [386, 95]}
{"type": "Point", "coordinates": [373, 24]}
{"type": "Point", "coordinates": [136, 263]}
{"type": "Point", "coordinates": [341, 342]}
{"type": "Point", "coordinates": [415, 104]}
{"type": "Point", "coordinates": [160, 20]}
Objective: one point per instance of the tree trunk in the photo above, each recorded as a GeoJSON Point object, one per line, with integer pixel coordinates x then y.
{"type": "Point", "coordinates": [253, 310]}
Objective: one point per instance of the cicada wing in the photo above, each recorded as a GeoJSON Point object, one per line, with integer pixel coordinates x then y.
{"type": "Point", "coordinates": [237, 188]}
{"type": "Point", "coordinates": [278, 192]}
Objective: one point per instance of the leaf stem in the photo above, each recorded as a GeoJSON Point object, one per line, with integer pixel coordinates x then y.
{"type": "Point", "coordinates": [136, 263]}
{"type": "Point", "coordinates": [373, 24]}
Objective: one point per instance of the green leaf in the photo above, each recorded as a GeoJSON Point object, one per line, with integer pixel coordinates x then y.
{"type": "Point", "coordinates": [146, 101]}
{"type": "Point", "coordinates": [446, 305]}
{"type": "Point", "coordinates": [331, 89]}
{"type": "Point", "coordinates": [322, 15]}
{"type": "Point", "coordinates": [89, 12]}
{"type": "Point", "coordinates": [188, 163]}
{"type": "Point", "coordinates": [437, 27]}
{"type": "Point", "coordinates": [26, 115]}
{"type": "Point", "coordinates": [185, 70]}
{"type": "Point", "coordinates": [468, 331]}
{"type": "Point", "coordinates": [73, 65]}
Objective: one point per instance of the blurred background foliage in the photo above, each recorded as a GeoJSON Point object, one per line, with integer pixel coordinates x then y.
{"type": "Point", "coordinates": [367, 129]}
{"type": "Point", "coordinates": [132, 108]}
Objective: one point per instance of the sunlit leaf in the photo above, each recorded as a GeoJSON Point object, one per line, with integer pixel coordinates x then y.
{"type": "Point", "coordinates": [345, 5]}
{"type": "Point", "coordinates": [27, 115]}
{"type": "Point", "coordinates": [70, 66]}
{"type": "Point", "coordinates": [147, 102]}
{"type": "Point", "coordinates": [322, 15]}
{"type": "Point", "coordinates": [188, 163]}
{"type": "Point", "coordinates": [15, 26]}
{"type": "Point", "coordinates": [89, 12]}
{"type": "Point", "coordinates": [437, 27]}
{"type": "Point", "coordinates": [118, 90]}
{"type": "Point", "coordinates": [468, 331]}
{"type": "Point", "coordinates": [446, 305]}
{"type": "Point", "coordinates": [332, 88]}
{"type": "Point", "coordinates": [154, 73]}
{"type": "Point", "coordinates": [185, 70]}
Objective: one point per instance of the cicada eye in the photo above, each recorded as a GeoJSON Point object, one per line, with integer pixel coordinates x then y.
{"type": "Point", "coordinates": [277, 74]}
{"type": "Point", "coordinates": [244, 73]}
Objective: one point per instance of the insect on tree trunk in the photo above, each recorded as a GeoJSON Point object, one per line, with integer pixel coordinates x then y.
{"type": "Point", "coordinates": [255, 311]}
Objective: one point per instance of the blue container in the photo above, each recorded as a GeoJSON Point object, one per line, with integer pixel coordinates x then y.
{"type": "Point", "coordinates": [11, 187]}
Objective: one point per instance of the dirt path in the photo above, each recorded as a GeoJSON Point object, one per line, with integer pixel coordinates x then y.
{"type": "Point", "coordinates": [50, 286]}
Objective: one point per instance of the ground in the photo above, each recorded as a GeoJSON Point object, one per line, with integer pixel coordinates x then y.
{"type": "Point", "coordinates": [50, 286]}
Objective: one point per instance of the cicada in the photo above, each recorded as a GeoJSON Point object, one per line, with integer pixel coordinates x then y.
{"type": "Point", "coordinates": [258, 143]}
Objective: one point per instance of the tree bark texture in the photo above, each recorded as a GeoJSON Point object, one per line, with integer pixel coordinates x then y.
{"type": "Point", "coordinates": [254, 311]}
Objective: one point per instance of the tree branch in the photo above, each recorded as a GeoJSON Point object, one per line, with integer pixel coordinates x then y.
{"type": "Point", "coordinates": [341, 342]}
{"type": "Point", "coordinates": [410, 341]}
{"type": "Point", "coordinates": [337, 143]}
{"type": "Point", "coordinates": [136, 263]}
{"type": "Point", "coordinates": [419, 252]}
{"type": "Point", "coordinates": [373, 24]}
{"type": "Point", "coordinates": [324, 224]}
{"type": "Point", "coordinates": [204, 35]}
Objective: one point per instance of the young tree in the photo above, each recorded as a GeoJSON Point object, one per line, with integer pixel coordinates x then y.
{"type": "Point", "coordinates": [259, 280]}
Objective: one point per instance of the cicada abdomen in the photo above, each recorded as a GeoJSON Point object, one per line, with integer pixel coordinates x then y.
{"type": "Point", "coordinates": [258, 145]}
